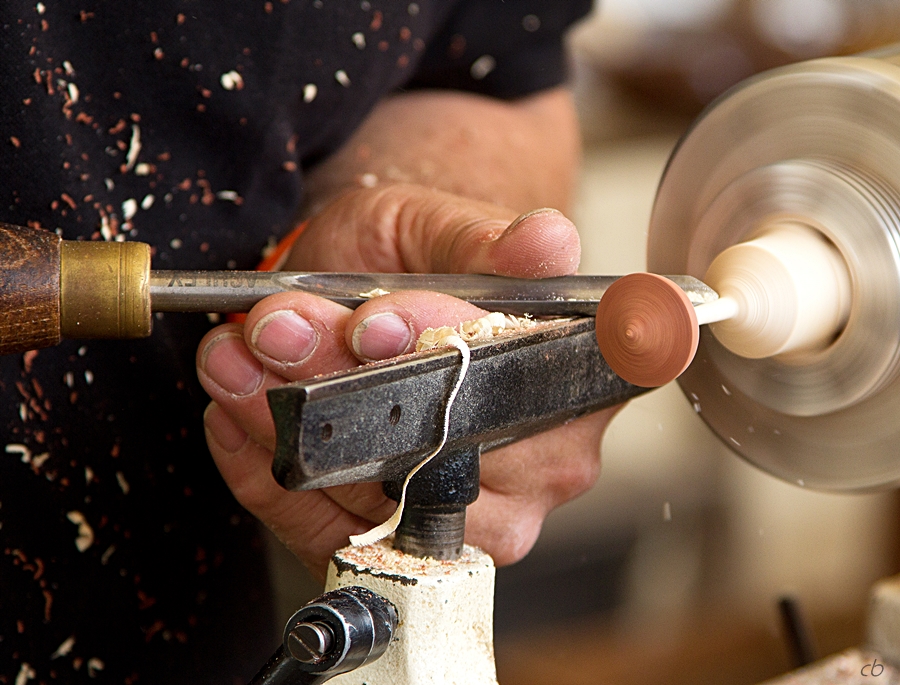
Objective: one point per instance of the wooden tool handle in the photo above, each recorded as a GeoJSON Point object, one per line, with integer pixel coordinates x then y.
{"type": "Point", "coordinates": [29, 288]}
{"type": "Point", "coordinates": [52, 289]}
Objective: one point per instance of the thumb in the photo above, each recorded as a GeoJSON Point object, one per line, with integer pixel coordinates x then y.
{"type": "Point", "coordinates": [405, 227]}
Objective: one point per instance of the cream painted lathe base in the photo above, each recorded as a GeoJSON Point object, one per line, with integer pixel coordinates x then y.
{"type": "Point", "coordinates": [446, 609]}
{"type": "Point", "coordinates": [884, 619]}
{"type": "Point", "coordinates": [876, 662]}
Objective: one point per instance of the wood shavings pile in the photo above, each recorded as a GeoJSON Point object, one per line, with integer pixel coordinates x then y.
{"type": "Point", "coordinates": [383, 557]}
{"type": "Point", "coordinates": [488, 326]}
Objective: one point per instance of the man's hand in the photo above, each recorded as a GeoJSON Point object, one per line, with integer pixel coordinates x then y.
{"type": "Point", "coordinates": [293, 336]}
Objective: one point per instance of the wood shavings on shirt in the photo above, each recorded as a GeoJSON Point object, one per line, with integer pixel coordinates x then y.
{"type": "Point", "coordinates": [488, 326]}
{"type": "Point", "coordinates": [231, 80]}
{"type": "Point", "coordinates": [482, 66]}
{"type": "Point", "coordinates": [129, 209]}
{"type": "Point", "coordinates": [21, 450]}
{"type": "Point", "coordinates": [341, 77]}
{"type": "Point", "coordinates": [230, 196]}
{"type": "Point", "coordinates": [94, 665]}
{"type": "Point", "coordinates": [85, 536]}
{"type": "Point", "coordinates": [29, 357]}
{"type": "Point", "coordinates": [64, 648]}
{"type": "Point", "coordinates": [134, 147]}
{"type": "Point", "coordinates": [26, 673]}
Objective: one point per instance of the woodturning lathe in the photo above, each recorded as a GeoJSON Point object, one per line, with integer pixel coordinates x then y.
{"type": "Point", "coordinates": [798, 168]}
{"type": "Point", "coordinates": [816, 146]}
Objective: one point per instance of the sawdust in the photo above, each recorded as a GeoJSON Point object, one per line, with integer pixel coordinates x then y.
{"type": "Point", "coordinates": [381, 556]}
{"type": "Point", "coordinates": [488, 326]}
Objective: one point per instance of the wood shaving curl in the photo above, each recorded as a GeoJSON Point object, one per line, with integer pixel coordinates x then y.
{"type": "Point", "coordinates": [382, 531]}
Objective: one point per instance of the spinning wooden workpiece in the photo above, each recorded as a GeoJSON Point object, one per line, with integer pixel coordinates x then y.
{"type": "Point", "coordinates": [785, 293]}
{"type": "Point", "coordinates": [647, 329]}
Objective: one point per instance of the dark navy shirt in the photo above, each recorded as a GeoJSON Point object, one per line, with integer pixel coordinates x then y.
{"type": "Point", "coordinates": [186, 124]}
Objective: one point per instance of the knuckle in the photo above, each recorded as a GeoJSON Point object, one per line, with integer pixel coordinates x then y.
{"type": "Point", "coordinates": [576, 474]}
{"type": "Point", "coordinates": [519, 537]}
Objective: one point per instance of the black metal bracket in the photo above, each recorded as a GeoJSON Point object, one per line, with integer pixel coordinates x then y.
{"type": "Point", "coordinates": [375, 422]}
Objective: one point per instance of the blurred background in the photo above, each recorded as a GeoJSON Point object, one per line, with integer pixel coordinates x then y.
{"type": "Point", "coordinates": [670, 570]}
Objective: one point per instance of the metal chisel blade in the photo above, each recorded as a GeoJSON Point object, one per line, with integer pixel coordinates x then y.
{"type": "Point", "coordinates": [238, 291]}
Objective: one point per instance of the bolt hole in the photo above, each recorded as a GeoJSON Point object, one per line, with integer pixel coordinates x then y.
{"type": "Point", "coordinates": [327, 432]}
{"type": "Point", "coordinates": [395, 415]}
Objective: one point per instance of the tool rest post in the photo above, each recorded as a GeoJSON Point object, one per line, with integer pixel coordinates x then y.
{"type": "Point", "coordinates": [29, 288]}
{"type": "Point", "coordinates": [434, 518]}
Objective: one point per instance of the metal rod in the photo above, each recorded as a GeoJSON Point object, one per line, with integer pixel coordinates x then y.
{"type": "Point", "coordinates": [238, 291]}
{"type": "Point", "coordinates": [797, 633]}
{"type": "Point", "coordinates": [432, 531]}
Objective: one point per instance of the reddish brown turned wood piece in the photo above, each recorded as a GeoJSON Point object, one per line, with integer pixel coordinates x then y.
{"type": "Point", "coordinates": [647, 329]}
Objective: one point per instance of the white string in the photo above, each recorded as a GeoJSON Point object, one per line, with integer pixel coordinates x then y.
{"type": "Point", "coordinates": [389, 526]}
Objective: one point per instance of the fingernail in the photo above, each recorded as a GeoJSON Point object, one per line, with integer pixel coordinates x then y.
{"type": "Point", "coordinates": [381, 336]}
{"type": "Point", "coordinates": [533, 212]}
{"type": "Point", "coordinates": [285, 336]}
{"type": "Point", "coordinates": [222, 430]}
{"type": "Point", "coordinates": [228, 362]}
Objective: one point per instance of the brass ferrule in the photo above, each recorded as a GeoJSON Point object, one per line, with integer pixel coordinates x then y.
{"type": "Point", "coordinates": [104, 290]}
